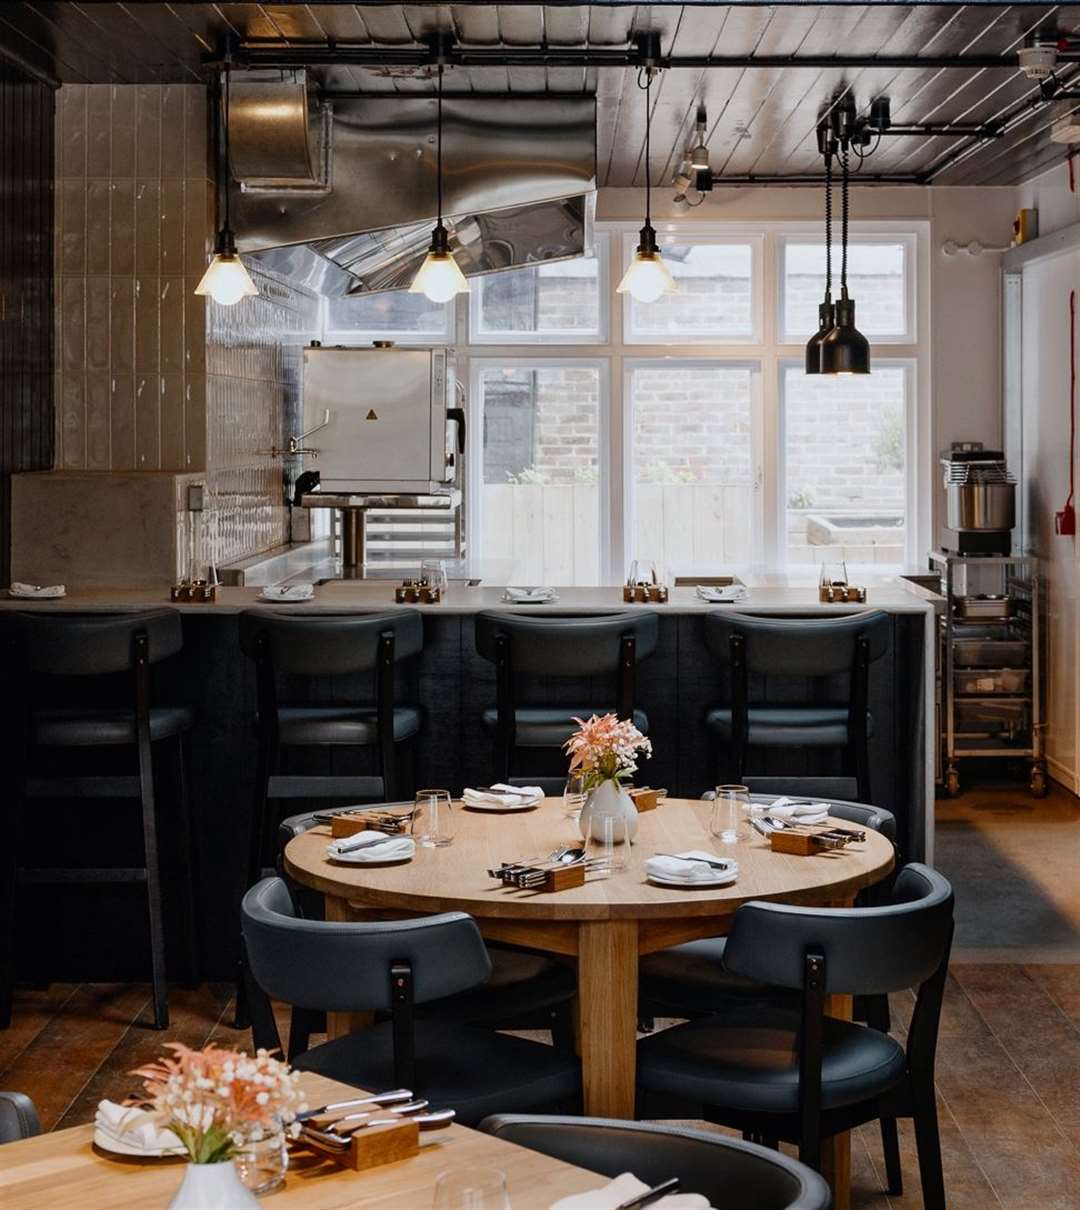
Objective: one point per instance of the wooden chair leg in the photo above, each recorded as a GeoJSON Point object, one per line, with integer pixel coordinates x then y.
{"type": "Point", "coordinates": [928, 1144]}
{"type": "Point", "coordinates": [188, 874]}
{"type": "Point", "coordinates": [890, 1145]}
{"type": "Point", "coordinates": [264, 1031]}
{"type": "Point", "coordinates": [153, 887]}
{"type": "Point", "coordinates": [304, 1022]}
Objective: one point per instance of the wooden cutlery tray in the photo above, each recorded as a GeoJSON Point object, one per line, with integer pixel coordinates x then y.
{"type": "Point", "coordinates": [373, 1146]}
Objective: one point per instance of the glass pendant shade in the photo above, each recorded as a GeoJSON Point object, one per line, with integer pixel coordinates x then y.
{"type": "Point", "coordinates": [647, 278]}
{"type": "Point", "coordinates": [439, 278]}
{"type": "Point", "coordinates": [845, 350]}
{"type": "Point", "coordinates": [226, 280]}
{"type": "Point", "coordinates": [826, 323]}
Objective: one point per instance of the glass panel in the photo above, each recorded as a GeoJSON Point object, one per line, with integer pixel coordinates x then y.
{"type": "Point", "coordinates": [845, 443]}
{"type": "Point", "coordinates": [876, 281]}
{"type": "Point", "coordinates": [395, 313]}
{"type": "Point", "coordinates": [561, 299]}
{"type": "Point", "coordinates": [715, 297]}
{"type": "Point", "coordinates": [540, 493]}
{"type": "Point", "coordinates": [692, 473]}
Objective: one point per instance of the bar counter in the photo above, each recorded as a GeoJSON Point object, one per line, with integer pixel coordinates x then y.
{"type": "Point", "coordinates": [453, 686]}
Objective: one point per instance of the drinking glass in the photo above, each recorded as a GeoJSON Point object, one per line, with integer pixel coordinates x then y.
{"type": "Point", "coordinates": [730, 809]}
{"type": "Point", "coordinates": [573, 795]}
{"type": "Point", "coordinates": [432, 821]}
{"type": "Point", "coordinates": [471, 1189]}
{"type": "Point", "coordinates": [261, 1165]}
{"type": "Point", "coordinates": [608, 845]}
{"type": "Point", "coordinates": [434, 571]}
{"type": "Point", "coordinates": [642, 571]}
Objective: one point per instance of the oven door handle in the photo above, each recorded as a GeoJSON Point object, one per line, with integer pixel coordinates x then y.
{"type": "Point", "coordinates": [458, 414]}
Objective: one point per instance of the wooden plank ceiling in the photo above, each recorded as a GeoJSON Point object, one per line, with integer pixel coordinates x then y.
{"type": "Point", "coordinates": [761, 119]}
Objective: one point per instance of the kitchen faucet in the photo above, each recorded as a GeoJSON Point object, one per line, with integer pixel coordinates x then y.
{"type": "Point", "coordinates": [296, 444]}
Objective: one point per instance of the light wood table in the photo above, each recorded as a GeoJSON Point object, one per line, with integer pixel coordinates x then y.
{"type": "Point", "coordinates": [64, 1169]}
{"type": "Point", "coordinates": [606, 924]}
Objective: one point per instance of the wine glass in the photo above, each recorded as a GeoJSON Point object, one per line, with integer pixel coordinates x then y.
{"type": "Point", "coordinates": [730, 809]}
{"type": "Point", "coordinates": [471, 1189]}
{"type": "Point", "coordinates": [432, 821]}
{"type": "Point", "coordinates": [574, 795]}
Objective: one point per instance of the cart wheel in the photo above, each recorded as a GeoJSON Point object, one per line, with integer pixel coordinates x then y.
{"type": "Point", "coordinates": [952, 782]}
{"type": "Point", "coordinates": [1038, 782]}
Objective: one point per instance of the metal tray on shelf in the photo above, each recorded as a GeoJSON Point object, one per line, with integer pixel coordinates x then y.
{"type": "Point", "coordinates": [983, 608]}
{"type": "Point", "coordinates": [990, 653]}
{"type": "Point", "coordinates": [976, 682]}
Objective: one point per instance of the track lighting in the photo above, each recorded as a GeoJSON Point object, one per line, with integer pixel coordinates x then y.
{"type": "Point", "coordinates": [694, 172]}
{"type": "Point", "coordinates": [826, 313]}
{"type": "Point", "coordinates": [844, 349]}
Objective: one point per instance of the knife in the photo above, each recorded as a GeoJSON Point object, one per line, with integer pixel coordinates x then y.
{"type": "Point", "coordinates": [406, 1110]}
{"type": "Point", "coordinates": [394, 1097]}
{"type": "Point", "coordinates": [650, 1195]}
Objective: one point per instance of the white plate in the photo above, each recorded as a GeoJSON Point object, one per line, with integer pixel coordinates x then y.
{"type": "Point", "coordinates": [530, 804]}
{"type": "Point", "coordinates": [365, 859]}
{"type": "Point", "coordinates": [699, 884]}
{"type": "Point", "coordinates": [275, 600]}
{"type": "Point", "coordinates": [107, 1143]}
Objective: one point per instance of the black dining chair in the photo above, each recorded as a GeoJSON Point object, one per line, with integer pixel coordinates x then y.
{"type": "Point", "coordinates": [823, 651]}
{"type": "Point", "coordinates": [796, 1074]}
{"type": "Point", "coordinates": [395, 968]}
{"type": "Point", "coordinates": [18, 1117]}
{"type": "Point", "coordinates": [556, 647]}
{"type": "Point", "coordinates": [68, 704]}
{"type": "Point", "coordinates": [726, 1171]}
{"type": "Point", "coordinates": [526, 989]}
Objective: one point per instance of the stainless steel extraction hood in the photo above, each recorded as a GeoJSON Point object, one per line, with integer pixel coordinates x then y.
{"type": "Point", "coordinates": [519, 185]}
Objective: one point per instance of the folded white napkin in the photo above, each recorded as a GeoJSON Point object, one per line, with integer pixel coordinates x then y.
{"type": "Point", "coordinates": [288, 592]}
{"type": "Point", "coordinates": [503, 795]}
{"type": "Point", "coordinates": [376, 846]}
{"type": "Point", "coordinates": [529, 596]}
{"type": "Point", "coordinates": [622, 1189]}
{"type": "Point", "coordinates": [799, 812]}
{"type": "Point", "coordinates": [42, 591]}
{"type": "Point", "coordinates": [717, 595]}
{"type": "Point", "coordinates": [681, 870]}
{"type": "Point", "coordinates": [133, 1128]}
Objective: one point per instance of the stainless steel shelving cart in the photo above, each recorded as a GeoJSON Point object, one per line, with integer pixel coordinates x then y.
{"type": "Point", "coordinates": [989, 636]}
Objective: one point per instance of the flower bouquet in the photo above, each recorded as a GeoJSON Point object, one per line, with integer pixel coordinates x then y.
{"type": "Point", "coordinates": [605, 750]}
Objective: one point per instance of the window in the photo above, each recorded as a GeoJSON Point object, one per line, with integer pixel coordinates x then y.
{"type": "Point", "coordinates": [542, 470]}
{"type": "Point", "coordinates": [558, 303]}
{"type": "Point", "coordinates": [394, 315]}
{"type": "Point", "coordinates": [880, 280]}
{"type": "Point", "coordinates": [845, 450]}
{"type": "Point", "coordinates": [716, 302]}
{"type": "Point", "coordinates": [692, 459]}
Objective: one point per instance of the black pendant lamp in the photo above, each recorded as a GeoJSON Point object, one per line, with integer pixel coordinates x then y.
{"type": "Point", "coordinates": [826, 312]}
{"type": "Point", "coordinates": [844, 350]}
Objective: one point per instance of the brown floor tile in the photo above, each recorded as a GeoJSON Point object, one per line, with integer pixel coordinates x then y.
{"type": "Point", "coordinates": [33, 1010]}
{"type": "Point", "coordinates": [1062, 985]}
{"type": "Point", "coordinates": [1044, 1176]}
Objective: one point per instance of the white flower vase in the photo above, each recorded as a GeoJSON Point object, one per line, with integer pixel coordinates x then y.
{"type": "Point", "coordinates": [212, 1187]}
{"type": "Point", "coordinates": [609, 798]}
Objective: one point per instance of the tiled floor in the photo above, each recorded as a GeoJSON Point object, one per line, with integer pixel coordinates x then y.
{"type": "Point", "coordinates": [1008, 1059]}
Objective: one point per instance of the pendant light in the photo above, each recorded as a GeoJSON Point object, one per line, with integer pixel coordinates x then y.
{"type": "Point", "coordinates": [226, 280]}
{"type": "Point", "coordinates": [648, 277]}
{"type": "Point", "coordinates": [844, 350]}
{"type": "Point", "coordinates": [439, 277]}
{"type": "Point", "coordinates": [826, 311]}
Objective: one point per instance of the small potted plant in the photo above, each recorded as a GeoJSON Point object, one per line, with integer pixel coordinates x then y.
{"type": "Point", "coordinates": [218, 1103]}
{"type": "Point", "coordinates": [605, 750]}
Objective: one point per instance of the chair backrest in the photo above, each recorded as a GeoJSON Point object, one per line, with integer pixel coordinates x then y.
{"type": "Point", "coordinates": [64, 644]}
{"type": "Point", "coordinates": [727, 1171]}
{"type": "Point", "coordinates": [345, 967]}
{"type": "Point", "coordinates": [816, 647]}
{"type": "Point", "coordinates": [567, 646]}
{"type": "Point", "coordinates": [898, 945]}
{"type": "Point", "coordinates": [18, 1117]}
{"type": "Point", "coordinates": [328, 645]}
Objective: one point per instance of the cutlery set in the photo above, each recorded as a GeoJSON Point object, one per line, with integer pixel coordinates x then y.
{"type": "Point", "coordinates": [370, 1131]}
{"type": "Point", "coordinates": [345, 822]}
{"type": "Point", "coordinates": [561, 869]}
{"type": "Point", "coordinates": [786, 836]}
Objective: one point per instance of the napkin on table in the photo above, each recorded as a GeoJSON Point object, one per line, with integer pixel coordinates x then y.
{"type": "Point", "coordinates": [530, 595]}
{"type": "Point", "coordinates": [41, 591]}
{"type": "Point", "coordinates": [798, 812]}
{"type": "Point", "coordinates": [133, 1128]}
{"type": "Point", "coordinates": [288, 592]}
{"type": "Point", "coordinates": [622, 1189]}
{"type": "Point", "coordinates": [689, 871]}
{"type": "Point", "coordinates": [727, 594]}
{"type": "Point", "coordinates": [390, 848]}
{"type": "Point", "coordinates": [503, 795]}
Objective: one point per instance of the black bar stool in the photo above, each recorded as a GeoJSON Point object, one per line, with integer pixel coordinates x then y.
{"type": "Point", "coordinates": [609, 645]}
{"type": "Point", "coordinates": [46, 647]}
{"type": "Point", "coordinates": [817, 649]}
{"type": "Point", "coordinates": [329, 646]}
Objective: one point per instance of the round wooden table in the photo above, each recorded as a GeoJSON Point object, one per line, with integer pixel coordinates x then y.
{"type": "Point", "coordinates": [606, 924]}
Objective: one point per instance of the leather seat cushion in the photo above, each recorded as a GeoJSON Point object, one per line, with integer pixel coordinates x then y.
{"type": "Point", "coordinates": [316, 725]}
{"type": "Point", "coordinates": [79, 728]}
{"type": "Point", "coordinates": [690, 980]}
{"type": "Point", "coordinates": [746, 1060]}
{"type": "Point", "coordinates": [552, 726]}
{"type": "Point", "coordinates": [522, 982]}
{"type": "Point", "coordinates": [475, 1071]}
{"type": "Point", "coordinates": [801, 726]}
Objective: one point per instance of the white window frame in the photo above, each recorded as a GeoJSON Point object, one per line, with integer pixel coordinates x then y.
{"type": "Point", "coordinates": [687, 233]}
{"type": "Point", "coordinates": [597, 336]}
{"type": "Point", "coordinates": [475, 438]}
{"type": "Point", "coordinates": [757, 439]}
{"type": "Point", "coordinates": [912, 512]}
{"type": "Point", "coordinates": [857, 237]}
{"type": "Point", "coordinates": [360, 337]}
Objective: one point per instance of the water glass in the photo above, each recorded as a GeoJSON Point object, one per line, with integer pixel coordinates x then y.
{"type": "Point", "coordinates": [434, 571]}
{"type": "Point", "coordinates": [471, 1189]}
{"type": "Point", "coordinates": [607, 846]}
{"type": "Point", "coordinates": [261, 1165]}
{"type": "Point", "coordinates": [432, 821]}
{"type": "Point", "coordinates": [573, 795]}
{"type": "Point", "coordinates": [731, 807]}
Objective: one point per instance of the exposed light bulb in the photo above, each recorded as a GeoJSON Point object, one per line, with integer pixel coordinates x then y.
{"type": "Point", "coordinates": [647, 278]}
{"type": "Point", "coordinates": [226, 280]}
{"type": "Point", "coordinates": [440, 276]}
